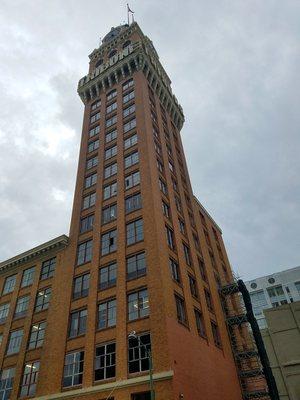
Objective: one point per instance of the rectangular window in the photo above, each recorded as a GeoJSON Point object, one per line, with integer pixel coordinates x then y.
{"type": "Point", "coordinates": [138, 353]}
{"type": "Point", "coordinates": [108, 276]}
{"type": "Point", "coordinates": [128, 84]}
{"type": "Point", "coordinates": [109, 191]}
{"type": "Point", "coordinates": [81, 286]}
{"type": "Point", "coordinates": [107, 312]}
{"type": "Point", "coordinates": [174, 267]}
{"type": "Point", "coordinates": [42, 299]}
{"type": "Point", "coordinates": [73, 369]}
{"type": "Point", "coordinates": [4, 310]}
{"type": "Point", "coordinates": [131, 141]}
{"type": "Point", "coordinates": [77, 324]}
{"type": "Point", "coordinates": [94, 131]}
{"type": "Point", "coordinates": [86, 224]}
{"type": "Point", "coordinates": [111, 107]}
{"type": "Point", "coordinates": [166, 209]}
{"type": "Point", "coordinates": [141, 396]}
{"type": "Point", "coordinates": [14, 342]}
{"type": "Point", "coordinates": [181, 312]}
{"type": "Point", "coordinates": [133, 203]}
{"type": "Point", "coordinates": [110, 170]}
{"type": "Point", "coordinates": [109, 213]}
{"type": "Point", "coordinates": [95, 118]}
{"type": "Point", "coordinates": [92, 162]}
{"type": "Point", "coordinates": [216, 334]}
{"type": "Point", "coordinates": [181, 226]}
{"type": "Point", "coordinates": [90, 180]}
{"type": "Point", "coordinates": [132, 159]}
{"type": "Point", "coordinates": [30, 378]}
{"type": "Point", "coordinates": [132, 180]}
{"type": "Point", "coordinates": [178, 204]}
{"type": "Point", "coordinates": [209, 301]}
{"type": "Point", "coordinates": [110, 152]}
{"type": "Point", "coordinates": [105, 361]}
{"type": "Point", "coordinates": [170, 238]}
{"type": "Point", "coordinates": [48, 268]}
{"type": "Point", "coordinates": [193, 286]}
{"type": "Point", "coordinates": [138, 305]}
{"type": "Point", "coordinates": [136, 266]}
{"type": "Point", "coordinates": [129, 110]}
{"type": "Point", "coordinates": [129, 96]}
{"type": "Point", "coordinates": [112, 135]}
{"type": "Point", "coordinates": [111, 95]}
{"type": "Point", "coordinates": [202, 269]}
{"type": "Point", "coordinates": [27, 278]}
{"type": "Point", "coordinates": [200, 323]}
{"type": "Point", "coordinates": [109, 242]}
{"type": "Point", "coordinates": [9, 285]}
{"type": "Point", "coordinates": [89, 201]}
{"type": "Point", "coordinates": [129, 125]}
{"type": "Point", "coordinates": [187, 254]}
{"type": "Point", "coordinates": [37, 335]}
{"type": "Point", "coordinates": [22, 306]}
{"type": "Point", "coordinates": [84, 252]}
{"type": "Point", "coordinates": [160, 166]}
{"type": "Point", "coordinates": [134, 232]}
{"type": "Point", "coordinates": [6, 383]}
{"type": "Point", "coordinates": [163, 186]}
{"type": "Point", "coordinates": [111, 121]}
{"type": "Point", "coordinates": [96, 105]}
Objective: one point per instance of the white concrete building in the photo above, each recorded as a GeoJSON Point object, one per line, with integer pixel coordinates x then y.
{"type": "Point", "coordinates": [274, 290]}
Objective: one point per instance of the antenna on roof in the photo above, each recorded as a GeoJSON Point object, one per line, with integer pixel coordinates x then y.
{"type": "Point", "coordinates": [100, 41]}
{"type": "Point", "coordinates": [129, 11]}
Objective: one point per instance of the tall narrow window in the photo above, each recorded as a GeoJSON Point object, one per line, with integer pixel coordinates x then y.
{"type": "Point", "coordinates": [138, 305]}
{"type": "Point", "coordinates": [73, 369]}
{"type": "Point", "coordinates": [193, 286]}
{"type": "Point", "coordinates": [108, 276]}
{"type": "Point", "coordinates": [110, 152]}
{"type": "Point", "coordinates": [109, 242]}
{"type": "Point", "coordinates": [105, 361]}
{"type": "Point", "coordinates": [181, 312]}
{"type": "Point", "coordinates": [110, 170]}
{"type": "Point", "coordinates": [174, 267]}
{"type": "Point", "coordinates": [30, 378]}
{"type": "Point", "coordinates": [107, 312]}
{"type": "Point", "coordinates": [131, 159]}
{"type": "Point", "coordinates": [138, 357]}
{"type": "Point", "coordinates": [112, 135]}
{"type": "Point", "coordinates": [129, 96]}
{"type": "Point", "coordinates": [209, 301]}
{"type": "Point", "coordinates": [109, 213]}
{"type": "Point", "coordinates": [216, 334]}
{"type": "Point", "coordinates": [132, 180]}
{"type": "Point", "coordinates": [90, 180]}
{"type": "Point", "coordinates": [4, 310]}
{"type": "Point", "coordinates": [9, 285]}
{"type": "Point", "coordinates": [129, 125]}
{"type": "Point", "coordinates": [81, 286]}
{"type": "Point", "coordinates": [77, 323]}
{"type": "Point", "coordinates": [37, 335]}
{"type": "Point", "coordinates": [110, 191]}
{"type": "Point", "coordinates": [94, 131]}
{"type": "Point", "coordinates": [200, 323]}
{"type": "Point", "coordinates": [170, 238]}
{"type": "Point", "coordinates": [187, 254]}
{"type": "Point", "coordinates": [133, 202]}
{"type": "Point", "coordinates": [6, 382]}
{"type": "Point", "coordinates": [86, 224]}
{"type": "Point", "coordinates": [42, 299]}
{"type": "Point", "coordinates": [202, 269]}
{"type": "Point", "coordinates": [27, 278]}
{"type": "Point", "coordinates": [131, 141]}
{"type": "Point", "coordinates": [84, 252]}
{"type": "Point", "coordinates": [48, 268]}
{"type": "Point", "coordinates": [134, 232]}
{"type": "Point", "coordinates": [22, 306]}
{"type": "Point", "coordinates": [14, 342]}
{"type": "Point", "coordinates": [92, 162]}
{"type": "Point", "coordinates": [92, 146]}
{"type": "Point", "coordinates": [136, 266]}
{"type": "Point", "coordinates": [95, 118]}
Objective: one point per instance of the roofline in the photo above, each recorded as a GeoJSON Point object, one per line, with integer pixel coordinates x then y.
{"type": "Point", "coordinates": [59, 242]}
{"type": "Point", "coordinates": [273, 273]}
{"type": "Point", "coordinates": [207, 213]}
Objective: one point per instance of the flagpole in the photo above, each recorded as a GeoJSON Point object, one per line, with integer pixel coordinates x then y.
{"type": "Point", "coordinates": [127, 14]}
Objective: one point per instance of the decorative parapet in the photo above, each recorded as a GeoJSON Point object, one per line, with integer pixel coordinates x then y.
{"type": "Point", "coordinates": [140, 55]}
{"type": "Point", "coordinates": [58, 243]}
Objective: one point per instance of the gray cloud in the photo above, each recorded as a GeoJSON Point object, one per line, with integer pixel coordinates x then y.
{"type": "Point", "coordinates": [234, 67]}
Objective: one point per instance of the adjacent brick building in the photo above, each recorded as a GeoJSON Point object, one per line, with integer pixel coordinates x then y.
{"type": "Point", "coordinates": [142, 255]}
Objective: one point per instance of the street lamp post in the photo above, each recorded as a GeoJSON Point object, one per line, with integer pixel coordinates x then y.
{"type": "Point", "coordinates": [133, 335]}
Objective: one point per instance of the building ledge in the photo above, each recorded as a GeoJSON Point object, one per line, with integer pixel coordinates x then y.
{"type": "Point", "coordinates": [58, 243]}
{"type": "Point", "coordinates": [140, 380]}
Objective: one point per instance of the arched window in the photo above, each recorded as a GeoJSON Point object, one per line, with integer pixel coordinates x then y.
{"type": "Point", "coordinates": [112, 53]}
{"type": "Point", "coordinates": [98, 63]}
{"type": "Point", "coordinates": [126, 44]}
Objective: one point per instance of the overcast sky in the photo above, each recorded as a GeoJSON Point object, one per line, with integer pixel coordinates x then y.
{"type": "Point", "coordinates": [235, 70]}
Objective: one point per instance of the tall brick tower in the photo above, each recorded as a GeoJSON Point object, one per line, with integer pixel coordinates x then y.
{"type": "Point", "coordinates": [134, 310]}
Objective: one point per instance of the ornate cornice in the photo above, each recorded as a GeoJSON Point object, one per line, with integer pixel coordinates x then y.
{"type": "Point", "coordinates": [142, 56]}
{"type": "Point", "coordinates": [58, 243]}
